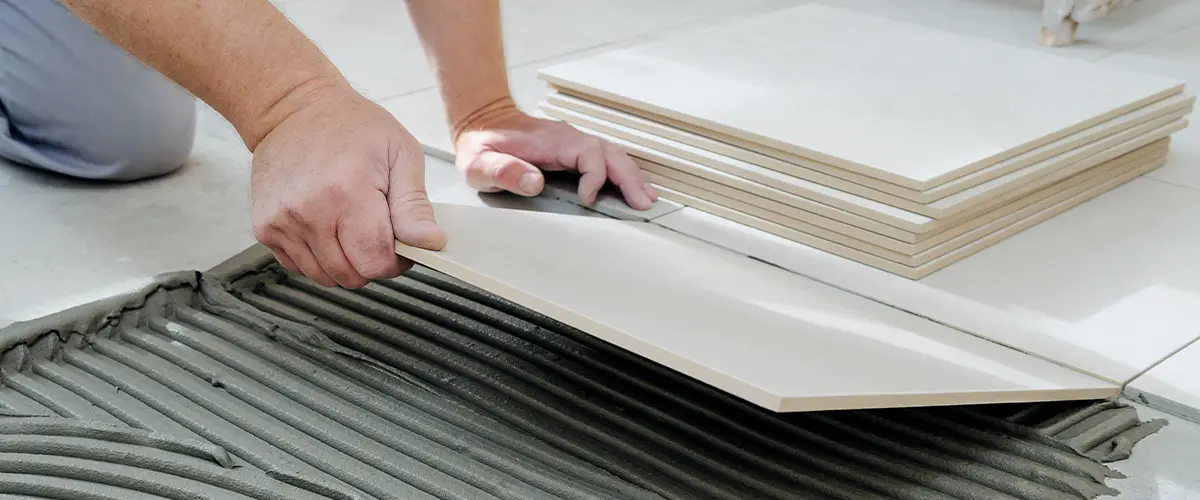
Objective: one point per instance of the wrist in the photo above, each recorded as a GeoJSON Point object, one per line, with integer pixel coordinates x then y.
{"type": "Point", "coordinates": [297, 98]}
{"type": "Point", "coordinates": [483, 117]}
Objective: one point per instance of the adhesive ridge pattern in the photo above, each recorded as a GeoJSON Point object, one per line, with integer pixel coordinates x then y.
{"type": "Point", "coordinates": [271, 386]}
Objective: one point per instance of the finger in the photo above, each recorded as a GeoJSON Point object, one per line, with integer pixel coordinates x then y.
{"type": "Point", "coordinates": [328, 251]}
{"type": "Point", "coordinates": [493, 171]}
{"type": "Point", "coordinates": [623, 172]}
{"type": "Point", "coordinates": [403, 265]}
{"type": "Point", "coordinates": [284, 260]}
{"type": "Point", "coordinates": [302, 256]}
{"type": "Point", "coordinates": [411, 213]}
{"type": "Point", "coordinates": [367, 239]}
{"type": "Point", "coordinates": [594, 172]}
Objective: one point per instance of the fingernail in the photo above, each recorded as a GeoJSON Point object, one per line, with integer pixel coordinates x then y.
{"type": "Point", "coordinates": [652, 192]}
{"type": "Point", "coordinates": [529, 183]}
{"type": "Point", "coordinates": [430, 236]}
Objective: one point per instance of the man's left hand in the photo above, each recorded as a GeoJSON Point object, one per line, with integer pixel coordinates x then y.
{"type": "Point", "coordinates": [505, 149]}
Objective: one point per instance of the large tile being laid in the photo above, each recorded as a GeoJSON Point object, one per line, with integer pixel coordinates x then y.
{"type": "Point", "coordinates": [1173, 385]}
{"type": "Point", "coordinates": [768, 336]}
{"type": "Point", "coordinates": [1172, 55]}
{"type": "Point", "coordinates": [1110, 287]}
{"type": "Point", "coordinates": [863, 93]}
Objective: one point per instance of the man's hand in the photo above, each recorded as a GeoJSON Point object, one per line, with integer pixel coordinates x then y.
{"type": "Point", "coordinates": [334, 184]}
{"type": "Point", "coordinates": [335, 178]}
{"type": "Point", "coordinates": [501, 148]}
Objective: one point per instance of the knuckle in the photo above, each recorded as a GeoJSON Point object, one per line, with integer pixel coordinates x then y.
{"type": "Point", "coordinates": [336, 193]}
{"type": "Point", "coordinates": [264, 231]}
{"type": "Point", "coordinates": [409, 197]}
{"type": "Point", "coordinates": [290, 210]}
{"type": "Point", "coordinates": [347, 277]}
{"type": "Point", "coordinates": [377, 266]}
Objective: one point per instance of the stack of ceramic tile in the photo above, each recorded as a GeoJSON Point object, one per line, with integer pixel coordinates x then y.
{"type": "Point", "coordinates": [897, 146]}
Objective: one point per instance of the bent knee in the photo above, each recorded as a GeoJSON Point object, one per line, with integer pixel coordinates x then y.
{"type": "Point", "coordinates": [155, 146]}
{"type": "Point", "coordinates": [123, 141]}
{"type": "Point", "coordinates": [74, 103]}
{"type": "Point", "coordinates": [139, 143]}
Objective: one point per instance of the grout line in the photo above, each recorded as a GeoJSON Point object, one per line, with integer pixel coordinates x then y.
{"type": "Point", "coordinates": [661, 32]}
{"type": "Point", "coordinates": [1195, 341]}
{"type": "Point", "coordinates": [1165, 405]}
{"type": "Point", "coordinates": [669, 212]}
{"type": "Point", "coordinates": [1148, 41]}
{"type": "Point", "coordinates": [407, 93]}
{"type": "Point", "coordinates": [1170, 183]}
{"type": "Point", "coordinates": [765, 7]}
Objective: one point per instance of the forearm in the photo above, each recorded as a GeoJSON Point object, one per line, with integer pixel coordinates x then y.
{"type": "Point", "coordinates": [243, 57]}
{"type": "Point", "coordinates": [464, 45]}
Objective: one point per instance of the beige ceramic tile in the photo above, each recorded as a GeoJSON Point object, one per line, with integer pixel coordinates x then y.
{"type": "Point", "coordinates": [758, 332]}
{"type": "Point", "coordinates": [930, 261]}
{"type": "Point", "coordinates": [1110, 287]}
{"type": "Point", "coordinates": [965, 203]}
{"type": "Point", "coordinates": [910, 254]}
{"type": "Point", "coordinates": [906, 104]}
{"type": "Point", "coordinates": [788, 189]}
{"type": "Point", "coordinates": [663, 133]}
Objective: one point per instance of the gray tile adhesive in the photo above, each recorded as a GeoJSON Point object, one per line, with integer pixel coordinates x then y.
{"type": "Point", "coordinates": [247, 382]}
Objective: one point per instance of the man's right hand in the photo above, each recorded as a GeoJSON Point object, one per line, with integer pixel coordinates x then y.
{"type": "Point", "coordinates": [335, 182]}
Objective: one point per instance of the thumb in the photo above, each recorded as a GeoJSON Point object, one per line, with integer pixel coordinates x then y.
{"type": "Point", "coordinates": [492, 170]}
{"type": "Point", "coordinates": [412, 214]}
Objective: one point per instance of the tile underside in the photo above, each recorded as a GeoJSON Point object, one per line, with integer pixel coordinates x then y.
{"type": "Point", "coordinates": [423, 387]}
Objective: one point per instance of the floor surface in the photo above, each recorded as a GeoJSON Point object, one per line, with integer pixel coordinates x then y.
{"type": "Point", "coordinates": [101, 235]}
{"type": "Point", "coordinates": [423, 387]}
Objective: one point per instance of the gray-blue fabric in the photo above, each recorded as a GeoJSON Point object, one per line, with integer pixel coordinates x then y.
{"type": "Point", "coordinates": [73, 102]}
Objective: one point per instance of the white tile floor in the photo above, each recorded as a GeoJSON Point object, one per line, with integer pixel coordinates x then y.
{"type": "Point", "coordinates": [1176, 55]}
{"type": "Point", "coordinates": [1111, 287]}
{"type": "Point", "coordinates": [108, 238]}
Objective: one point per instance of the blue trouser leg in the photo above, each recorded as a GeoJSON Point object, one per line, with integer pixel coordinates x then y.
{"type": "Point", "coordinates": [75, 103]}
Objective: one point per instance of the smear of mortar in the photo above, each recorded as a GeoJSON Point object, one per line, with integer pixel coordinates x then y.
{"type": "Point", "coordinates": [260, 384]}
